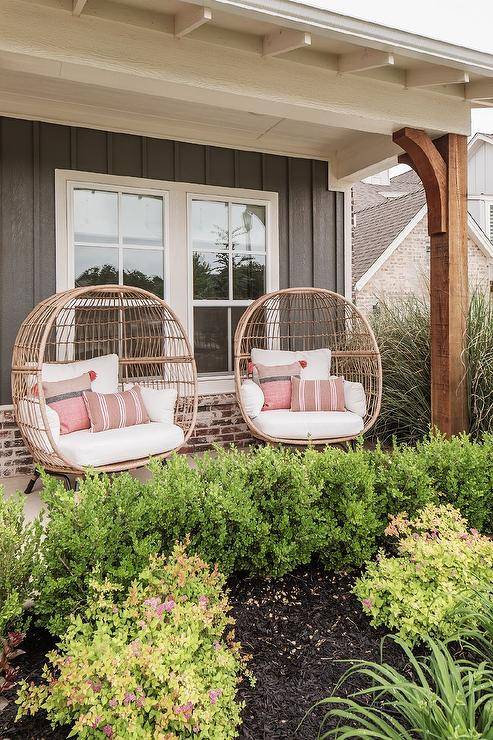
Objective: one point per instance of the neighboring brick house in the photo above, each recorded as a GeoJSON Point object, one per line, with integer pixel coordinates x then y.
{"type": "Point", "coordinates": [391, 245]}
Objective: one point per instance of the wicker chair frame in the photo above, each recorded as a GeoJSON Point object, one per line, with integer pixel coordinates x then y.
{"type": "Point", "coordinates": [88, 322]}
{"type": "Point", "coordinates": [307, 319]}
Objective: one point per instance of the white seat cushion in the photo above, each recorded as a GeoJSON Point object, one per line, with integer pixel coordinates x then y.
{"type": "Point", "coordinates": [286, 424]}
{"type": "Point", "coordinates": [86, 448]}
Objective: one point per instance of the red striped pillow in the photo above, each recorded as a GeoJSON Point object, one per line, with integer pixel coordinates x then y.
{"type": "Point", "coordinates": [318, 395]}
{"type": "Point", "coordinates": [115, 410]}
{"type": "Point", "coordinates": [275, 382]}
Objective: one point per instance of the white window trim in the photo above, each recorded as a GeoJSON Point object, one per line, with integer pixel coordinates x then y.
{"type": "Point", "coordinates": [178, 260]}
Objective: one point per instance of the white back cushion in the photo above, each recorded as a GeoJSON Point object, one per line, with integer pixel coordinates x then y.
{"type": "Point", "coordinates": [355, 398]}
{"type": "Point", "coordinates": [105, 367]}
{"type": "Point", "coordinates": [159, 402]}
{"type": "Point", "coordinates": [317, 361]}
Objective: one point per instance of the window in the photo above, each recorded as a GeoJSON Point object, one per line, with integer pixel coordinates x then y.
{"type": "Point", "coordinates": [208, 251]}
{"type": "Point", "coordinates": [118, 237]}
{"type": "Point", "coordinates": [228, 246]}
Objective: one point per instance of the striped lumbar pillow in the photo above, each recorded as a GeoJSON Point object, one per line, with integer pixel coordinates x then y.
{"type": "Point", "coordinates": [65, 397]}
{"type": "Point", "coordinates": [318, 395]}
{"type": "Point", "coordinates": [275, 382]}
{"type": "Point", "coordinates": [115, 410]}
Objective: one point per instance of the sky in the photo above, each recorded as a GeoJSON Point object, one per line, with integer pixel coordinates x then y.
{"type": "Point", "coordinates": [454, 21]}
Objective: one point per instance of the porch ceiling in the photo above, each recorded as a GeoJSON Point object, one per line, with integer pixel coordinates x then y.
{"type": "Point", "coordinates": [232, 75]}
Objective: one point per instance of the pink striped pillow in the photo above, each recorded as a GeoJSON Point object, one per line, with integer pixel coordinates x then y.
{"type": "Point", "coordinates": [65, 397]}
{"type": "Point", "coordinates": [275, 382]}
{"type": "Point", "coordinates": [318, 395]}
{"type": "Point", "coordinates": [115, 410]}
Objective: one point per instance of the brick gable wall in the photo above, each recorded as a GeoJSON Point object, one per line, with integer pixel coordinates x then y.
{"type": "Point", "coordinates": [407, 271]}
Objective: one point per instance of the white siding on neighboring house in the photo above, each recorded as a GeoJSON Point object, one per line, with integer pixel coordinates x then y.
{"type": "Point", "coordinates": [480, 170]}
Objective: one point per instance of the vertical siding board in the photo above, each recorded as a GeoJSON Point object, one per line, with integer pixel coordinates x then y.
{"type": "Point", "coordinates": [339, 251]}
{"type": "Point", "coordinates": [91, 150]}
{"type": "Point", "coordinates": [17, 237]}
{"type": "Point", "coordinates": [300, 223]}
{"type": "Point", "coordinates": [126, 159]}
{"type": "Point", "coordinates": [276, 180]}
{"type": "Point", "coordinates": [55, 153]}
{"type": "Point", "coordinates": [190, 162]}
{"type": "Point", "coordinates": [250, 170]}
{"type": "Point", "coordinates": [220, 166]}
{"type": "Point", "coordinates": [160, 159]}
{"type": "Point", "coordinates": [36, 213]}
{"type": "Point", "coordinates": [323, 207]}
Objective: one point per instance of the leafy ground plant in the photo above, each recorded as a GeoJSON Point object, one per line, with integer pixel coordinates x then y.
{"type": "Point", "coordinates": [438, 698]}
{"type": "Point", "coordinates": [9, 651]}
{"type": "Point", "coordinates": [19, 561]}
{"type": "Point", "coordinates": [440, 565]}
{"type": "Point", "coordinates": [162, 664]}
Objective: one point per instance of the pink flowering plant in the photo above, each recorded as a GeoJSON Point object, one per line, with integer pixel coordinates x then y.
{"type": "Point", "coordinates": [440, 565]}
{"type": "Point", "coordinates": [163, 664]}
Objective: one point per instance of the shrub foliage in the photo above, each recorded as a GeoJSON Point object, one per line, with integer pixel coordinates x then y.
{"type": "Point", "coordinates": [19, 561]}
{"type": "Point", "coordinates": [161, 664]}
{"type": "Point", "coordinates": [263, 511]}
{"type": "Point", "coordinates": [440, 566]}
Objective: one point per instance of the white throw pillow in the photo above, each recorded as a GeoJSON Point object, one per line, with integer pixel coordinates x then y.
{"type": "Point", "coordinates": [317, 360]}
{"type": "Point", "coordinates": [252, 398]}
{"type": "Point", "coordinates": [30, 413]}
{"type": "Point", "coordinates": [159, 402]}
{"type": "Point", "coordinates": [355, 398]}
{"type": "Point", "coordinates": [105, 367]}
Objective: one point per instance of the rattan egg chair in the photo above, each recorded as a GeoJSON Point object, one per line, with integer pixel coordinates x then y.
{"type": "Point", "coordinates": [90, 322]}
{"type": "Point", "coordinates": [301, 319]}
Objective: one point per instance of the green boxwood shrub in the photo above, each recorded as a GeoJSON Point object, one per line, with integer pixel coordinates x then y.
{"type": "Point", "coordinates": [162, 664]}
{"type": "Point", "coordinates": [262, 512]}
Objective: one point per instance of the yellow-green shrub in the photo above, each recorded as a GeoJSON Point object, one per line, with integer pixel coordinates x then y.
{"type": "Point", "coordinates": [440, 565]}
{"type": "Point", "coordinates": [163, 664]}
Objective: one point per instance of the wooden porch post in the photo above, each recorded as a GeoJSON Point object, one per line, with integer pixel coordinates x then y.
{"type": "Point", "coordinates": [442, 166]}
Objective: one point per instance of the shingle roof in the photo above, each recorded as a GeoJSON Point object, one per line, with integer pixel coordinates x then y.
{"type": "Point", "coordinates": [367, 194]}
{"type": "Point", "coordinates": [376, 227]}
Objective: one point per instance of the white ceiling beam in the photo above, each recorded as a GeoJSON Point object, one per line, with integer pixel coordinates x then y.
{"type": "Point", "coordinates": [480, 90]}
{"type": "Point", "coordinates": [78, 6]}
{"type": "Point", "coordinates": [280, 42]}
{"type": "Point", "coordinates": [437, 75]}
{"type": "Point", "coordinates": [190, 19]}
{"type": "Point", "coordinates": [360, 61]}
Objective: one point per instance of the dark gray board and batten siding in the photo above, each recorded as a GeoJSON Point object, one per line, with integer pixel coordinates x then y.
{"type": "Point", "coordinates": [311, 218]}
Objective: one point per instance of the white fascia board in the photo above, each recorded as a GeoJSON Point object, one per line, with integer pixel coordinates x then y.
{"type": "Point", "coordinates": [477, 235]}
{"type": "Point", "coordinates": [357, 31]}
{"type": "Point", "coordinates": [390, 249]}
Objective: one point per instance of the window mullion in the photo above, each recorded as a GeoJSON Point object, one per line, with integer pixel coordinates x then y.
{"type": "Point", "coordinates": [120, 249]}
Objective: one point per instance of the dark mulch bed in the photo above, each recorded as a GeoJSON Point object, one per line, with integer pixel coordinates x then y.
{"type": "Point", "coordinates": [296, 628]}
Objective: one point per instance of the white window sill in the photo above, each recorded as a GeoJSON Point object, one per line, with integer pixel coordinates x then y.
{"type": "Point", "coordinates": [211, 386]}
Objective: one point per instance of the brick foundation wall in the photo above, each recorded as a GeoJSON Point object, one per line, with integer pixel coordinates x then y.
{"type": "Point", "coordinates": [218, 421]}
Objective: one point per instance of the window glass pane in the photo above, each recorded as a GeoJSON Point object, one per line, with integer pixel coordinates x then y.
{"type": "Point", "coordinates": [95, 266]}
{"type": "Point", "coordinates": [211, 276]}
{"type": "Point", "coordinates": [95, 216]}
{"type": "Point", "coordinates": [142, 219]}
{"type": "Point", "coordinates": [248, 227]}
{"type": "Point", "coordinates": [209, 225]}
{"type": "Point", "coordinates": [248, 276]}
{"type": "Point", "coordinates": [211, 339]}
{"type": "Point", "coordinates": [144, 268]}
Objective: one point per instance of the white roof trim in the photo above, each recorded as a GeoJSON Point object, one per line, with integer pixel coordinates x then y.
{"type": "Point", "coordinates": [361, 32]}
{"type": "Point", "coordinates": [474, 232]}
{"type": "Point", "coordinates": [390, 249]}
{"type": "Point", "coordinates": [476, 141]}
{"type": "Point", "coordinates": [477, 235]}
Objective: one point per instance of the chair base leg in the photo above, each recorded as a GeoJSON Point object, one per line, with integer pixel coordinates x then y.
{"type": "Point", "coordinates": [32, 482]}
